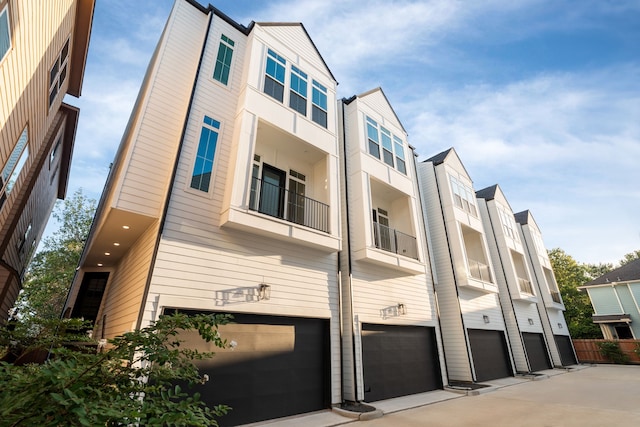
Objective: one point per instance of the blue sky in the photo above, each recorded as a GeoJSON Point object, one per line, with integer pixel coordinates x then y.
{"type": "Point", "coordinates": [539, 96]}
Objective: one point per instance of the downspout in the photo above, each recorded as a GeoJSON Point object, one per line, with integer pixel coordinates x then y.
{"type": "Point", "coordinates": [173, 176]}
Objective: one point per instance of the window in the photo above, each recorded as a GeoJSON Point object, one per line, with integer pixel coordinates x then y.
{"type": "Point", "coordinates": [223, 61]}
{"type": "Point", "coordinates": [201, 176]}
{"type": "Point", "coordinates": [298, 93]}
{"type": "Point", "coordinates": [274, 75]}
{"type": "Point", "coordinates": [5, 32]}
{"type": "Point", "coordinates": [372, 135]}
{"type": "Point", "coordinates": [58, 73]}
{"type": "Point", "coordinates": [55, 151]}
{"type": "Point", "coordinates": [16, 162]}
{"type": "Point", "coordinates": [392, 146]}
{"type": "Point", "coordinates": [296, 197]}
{"type": "Point", "coordinates": [319, 104]}
{"type": "Point", "coordinates": [24, 238]}
{"type": "Point", "coordinates": [463, 197]}
{"type": "Point", "coordinates": [508, 224]}
{"type": "Point", "coordinates": [399, 148]}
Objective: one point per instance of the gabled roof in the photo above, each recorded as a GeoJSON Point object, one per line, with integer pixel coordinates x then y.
{"type": "Point", "coordinates": [523, 217]}
{"type": "Point", "coordinates": [442, 157]}
{"type": "Point", "coordinates": [488, 193]}
{"type": "Point", "coordinates": [379, 89]}
{"type": "Point", "coordinates": [626, 273]}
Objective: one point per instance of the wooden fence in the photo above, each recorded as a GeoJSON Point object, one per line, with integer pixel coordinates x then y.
{"type": "Point", "coordinates": [588, 351]}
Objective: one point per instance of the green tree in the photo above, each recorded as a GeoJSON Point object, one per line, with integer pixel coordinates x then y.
{"type": "Point", "coordinates": [631, 256]}
{"type": "Point", "coordinates": [569, 275]}
{"type": "Point", "coordinates": [133, 380]}
{"type": "Point", "coordinates": [52, 269]}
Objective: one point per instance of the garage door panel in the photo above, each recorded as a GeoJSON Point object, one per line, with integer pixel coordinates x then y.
{"type": "Point", "coordinates": [490, 354]}
{"type": "Point", "coordinates": [398, 361]}
{"type": "Point", "coordinates": [536, 351]}
{"type": "Point", "coordinates": [280, 367]}
{"type": "Point", "coordinates": [565, 349]}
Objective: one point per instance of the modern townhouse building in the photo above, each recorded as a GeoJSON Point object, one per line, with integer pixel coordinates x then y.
{"type": "Point", "coordinates": [390, 327]}
{"type": "Point", "coordinates": [473, 327]}
{"type": "Point", "coordinates": [550, 305]}
{"type": "Point", "coordinates": [43, 49]}
{"type": "Point", "coordinates": [224, 197]}
{"type": "Point", "coordinates": [518, 296]}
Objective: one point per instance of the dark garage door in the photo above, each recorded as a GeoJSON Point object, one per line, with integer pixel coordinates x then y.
{"type": "Point", "coordinates": [567, 357]}
{"type": "Point", "coordinates": [536, 351]}
{"type": "Point", "coordinates": [490, 354]}
{"type": "Point", "coordinates": [399, 360]}
{"type": "Point", "coordinates": [280, 367]}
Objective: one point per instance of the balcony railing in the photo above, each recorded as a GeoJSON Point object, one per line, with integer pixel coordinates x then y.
{"type": "Point", "coordinates": [555, 296]}
{"type": "Point", "coordinates": [394, 241]}
{"type": "Point", "coordinates": [480, 271]}
{"type": "Point", "coordinates": [271, 199]}
{"type": "Point", "coordinates": [525, 286]}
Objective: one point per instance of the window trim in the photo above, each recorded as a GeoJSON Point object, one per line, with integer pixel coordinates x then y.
{"type": "Point", "coordinates": [387, 153]}
{"type": "Point", "coordinates": [61, 66]}
{"type": "Point", "coordinates": [5, 11]}
{"type": "Point", "coordinates": [302, 78]}
{"type": "Point", "coordinates": [321, 90]}
{"type": "Point", "coordinates": [229, 45]}
{"type": "Point", "coordinates": [466, 195]}
{"type": "Point", "coordinates": [218, 130]}
{"type": "Point", "coordinates": [278, 61]}
{"type": "Point", "coordinates": [9, 174]}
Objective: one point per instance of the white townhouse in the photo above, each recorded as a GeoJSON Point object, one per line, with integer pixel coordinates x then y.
{"type": "Point", "coordinates": [224, 197]}
{"type": "Point", "coordinates": [518, 296]}
{"type": "Point", "coordinates": [390, 326]}
{"type": "Point", "coordinates": [473, 327]}
{"type": "Point", "coordinates": [550, 305]}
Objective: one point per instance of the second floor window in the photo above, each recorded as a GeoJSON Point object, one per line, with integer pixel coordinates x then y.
{"type": "Point", "coordinates": [58, 73]}
{"type": "Point", "coordinates": [5, 32]}
{"type": "Point", "coordinates": [203, 168]}
{"type": "Point", "coordinates": [13, 167]}
{"type": "Point", "coordinates": [508, 224]}
{"type": "Point", "coordinates": [463, 197]}
{"type": "Point", "coordinates": [392, 146]}
{"type": "Point", "coordinates": [298, 93]}
{"type": "Point", "coordinates": [223, 61]}
{"type": "Point", "coordinates": [319, 104]}
{"type": "Point", "coordinates": [274, 75]}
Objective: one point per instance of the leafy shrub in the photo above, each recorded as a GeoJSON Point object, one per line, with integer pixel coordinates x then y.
{"type": "Point", "coordinates": [611, 350]}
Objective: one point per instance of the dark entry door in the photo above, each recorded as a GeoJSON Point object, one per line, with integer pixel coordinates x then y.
{"type": "Point", "coordinates": [272, 191]}
{"type": "Point", "coordinates": [536, 351]}
{"type": "Point", "coordinates": [565, 348]}
{"type": "Point", "coordinates": [490, 354]}
{"type": "Point", "coordinates": [280, 367]}
{"type": "Point", "coordinates": [399, 360]}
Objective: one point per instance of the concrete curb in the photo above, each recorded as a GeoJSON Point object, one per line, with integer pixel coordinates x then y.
{"type": "Point", "coordinates": [362, 416]}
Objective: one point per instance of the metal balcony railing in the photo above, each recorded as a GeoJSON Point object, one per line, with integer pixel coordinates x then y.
{"type": "Point", "coordinates": [480, 271]}
{"type": "Point", "coordinates": [281, 203]}
{"type": "Point", "coordinates": [394, 241]}
{"type": "Point", "coordinates": [555, 296]}
{"type": "Point", "coordinates": [525, 286]}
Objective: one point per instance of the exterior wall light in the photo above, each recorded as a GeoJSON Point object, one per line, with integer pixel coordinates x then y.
{"type": "Point", "coordinates": [485, 318]}
{"type": "Point", "coordinates": [402, 309]}
{"type": "Point", "coordinates": [530, 321]}
{"type": "Point", "coordinates": [264, 292]}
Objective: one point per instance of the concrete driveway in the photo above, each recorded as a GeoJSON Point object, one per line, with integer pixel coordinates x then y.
{"type": "Point", "coordinates": [602, 396]}
{"type": "Point", "coordinates": [598, 396]}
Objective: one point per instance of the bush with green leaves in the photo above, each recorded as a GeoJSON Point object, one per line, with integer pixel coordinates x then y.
{"type": "Point", "coordinates": [132, 380]}
{"type": "Point", "coordinates": [611, 350]}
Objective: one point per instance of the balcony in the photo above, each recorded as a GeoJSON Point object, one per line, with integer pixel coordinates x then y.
{"type": "Point", "coordinates": [525, 286]}
{"type": "Point", "coordinates": [394, 241]}
{"type": "Point", "coordinates": [277, 201]}
{"type": "Point", "coordinates": [480, 271]}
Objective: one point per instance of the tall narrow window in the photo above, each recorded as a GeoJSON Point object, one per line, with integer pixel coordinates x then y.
{"type": "Point", "coordinates": [297, 187]}
{"type": "Point", "coordinates": [58, 73]}
{"type": "Point", "coordinates": [223, 61]}
{"type": "Point", "coordinates": [201, 177]}
{"type": "Point", "coordinates": [372, 136]}
{"type": "Point", "coordinates": [5, 32]}
{"type": "Point", "coordinates": [16, 162]}
{"type": "Point", "coordinates": [55, 151]}
{"type": "Point", "coordinates": [319, 104]}
{"type": "Point", "coordinates": [399, 149]}
{"type": "Point", "coordinates": [274, 75]}
{"type": "Point", "coordinates": [387, 147]}
{"type": "Point", "coordinates": [298, 93]}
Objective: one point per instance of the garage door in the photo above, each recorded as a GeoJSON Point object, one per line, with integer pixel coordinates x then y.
{"type": "Point", "coordinates": [490, 354]}
{"type": "Point", "coordinates": [566, 350]}
{"type": "Point", "coordinates": [536, 351]}
{"type": "Point", "coordinates": [399, 360]}
{"type": "Point", "coordinates": [280, 367]}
